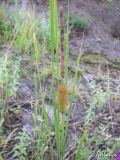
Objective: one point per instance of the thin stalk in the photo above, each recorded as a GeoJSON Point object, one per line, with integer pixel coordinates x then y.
{"type": "Point", "coordinates": [57, 128]}
{"type": "Point", "coordinates": [45, 116]}
{"type": "Point", "coordinates": [80, 145]}
{"type": "Point", "coordinates": [62, 137]}
{"type": "Point", "coordinates": [36, 85]}
{"type": "Point", "coordinates": [47, 124]}
{"type": "Point", "coordinates": [52, 31]}
{"type": "Point", "coordinates": [73, 88]}
{"type": "Point", "coordinates": [67, 47]}
{"type": "Point", "coordinates": [56, 32]}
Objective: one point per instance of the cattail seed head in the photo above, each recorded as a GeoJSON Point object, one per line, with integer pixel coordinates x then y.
{"type": "Point", "coordinates": [62, 98]}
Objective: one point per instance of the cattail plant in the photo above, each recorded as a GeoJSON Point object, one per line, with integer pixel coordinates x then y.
{"type": "Point", "coordinates": [62, 89]}
{"type": "Point", "coordinates": [62, 92]}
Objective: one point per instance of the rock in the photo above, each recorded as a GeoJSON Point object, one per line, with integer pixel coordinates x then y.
{"type": "Point", "coordinates": [115, 30]}
{"type": "Point", "coordinates": [50, 112]}
{"type": "Point", "coordinates": [24, 92]}
{"type": "Point", "coordinates": [27, 120]}
{"type": "Point", "coordinates": [94, 58]}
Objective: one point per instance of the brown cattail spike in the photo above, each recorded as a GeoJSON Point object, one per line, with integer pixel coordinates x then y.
{"type": "Point", "coordinates": [62, 41]}
{"type": "Point", "coordinates": [62, 98]}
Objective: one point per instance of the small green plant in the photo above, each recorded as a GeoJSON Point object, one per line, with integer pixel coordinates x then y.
{"type": "Point", "coordinates": [41, 144]}
{"type": "Point", "coordinates": [80, 23]}
{"type": "Point", "coordinates": [27, 26]}
{"type": "Point", "coordinates": [82, 151]}
{"type": "Point", "coordinates": [5, 25]}
{"type": "Point", "coordinates": [20, 149]}
{"type": "Point", "coordinates": [9, 76]}
{"type": "Point", "coordinates": [41, 132]}
{"type": "Point", "coordinates": [48, 72]}
{"type": "Point", "coordinates": [98, 99]}
{"type": "Point", "coordinates": [24, 31]}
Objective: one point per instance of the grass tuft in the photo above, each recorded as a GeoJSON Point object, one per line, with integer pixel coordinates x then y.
{"type": "Point", "coordinates": [77, 22]}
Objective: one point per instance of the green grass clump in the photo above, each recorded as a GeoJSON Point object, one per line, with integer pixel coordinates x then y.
{"type": "Point", "coordinates": [80, 23]}
{"type": "Point", "coordinates": [24, 28]}
{"type": "Point", "coordinates": [20, 149]}
{"type": "Point", "coordinates": [9, 76]}
{"type": "Point", "coordinates": [5, 25]}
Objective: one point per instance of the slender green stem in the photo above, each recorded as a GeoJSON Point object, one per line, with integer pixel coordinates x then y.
{"type": "Point", "coordinates": [73, 88]}
{"type": "Point", "coordinates": [52, 30]}
{"type": "Point", "coordinates": [62, 137]}
{"type": "Point", "coordinates": [57, 128]}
